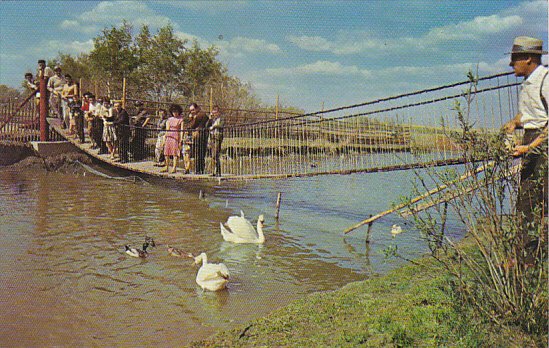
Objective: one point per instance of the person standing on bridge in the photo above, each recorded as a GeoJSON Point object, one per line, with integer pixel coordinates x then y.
{"type": "Point", "coordinates": [55, 87]}
{"type": "Point", "coordinates": [46, 69]}
{"type": "Point", "coordinates": [531, 205]}
{"type": "Point", "coordinates": [172, 142]}
{"type": "Point", "coordinates": [216, 138]}
{"type": "Point", "coordinates": [199, 126]}
{"type": "Point", "coordinates": [122, 123]}
{"type": "Point", "coordinates": [69, 94]}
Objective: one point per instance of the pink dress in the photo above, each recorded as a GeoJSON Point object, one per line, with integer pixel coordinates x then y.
{"type": "Point", "coordinates": [173, 137]}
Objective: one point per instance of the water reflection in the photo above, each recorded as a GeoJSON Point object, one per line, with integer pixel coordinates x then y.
{"type": "Point", "coordinates": [69, 281]}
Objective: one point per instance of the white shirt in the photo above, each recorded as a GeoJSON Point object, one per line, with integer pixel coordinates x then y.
{"type": "Point", "coordinates": [56, 83]}
{"type": "Point", "coordinates": [92, 108]}
{"type": "Point", "coordinates": [530, 106]}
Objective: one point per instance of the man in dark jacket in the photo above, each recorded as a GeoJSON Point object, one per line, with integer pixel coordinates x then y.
{"type": "Point", "coordinates": [122, 123]}
{"type": "Point", "coordinates": [199, 126]}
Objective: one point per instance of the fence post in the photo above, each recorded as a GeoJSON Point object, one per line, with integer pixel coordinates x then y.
{"type": "Point", "coordinates": [124, 93]}
{"type": "Point", "coordinates": [211, 99]}
{"type": "Point", "coordinates": [44, 129]}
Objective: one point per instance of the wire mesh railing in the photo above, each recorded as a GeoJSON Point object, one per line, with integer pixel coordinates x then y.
{"type": "Point", "coordinates": [21, 125]}
{"type": "Point", "coordinates": [406, 130]}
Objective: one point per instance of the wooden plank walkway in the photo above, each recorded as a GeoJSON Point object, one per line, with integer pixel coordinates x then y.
{"type": "Point", "coordinates": [148, 168]}
{"type": "Point", "coordinates": [143, 167]}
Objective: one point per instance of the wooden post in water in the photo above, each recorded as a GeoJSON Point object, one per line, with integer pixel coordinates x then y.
{"type": "Point", "coordinates": [278, 199]}
{"type": "Point", "coordinates": [368, 231]}
{"type": "Point", "coordinates": [124, 93]}
{"type": "Point", "coordinates": [44, 129]}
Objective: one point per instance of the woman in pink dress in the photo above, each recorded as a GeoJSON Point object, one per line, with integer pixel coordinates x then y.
{"type": "Point", "coordinates": [172, 143]}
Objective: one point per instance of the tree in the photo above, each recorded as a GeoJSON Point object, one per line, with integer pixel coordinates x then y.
{"type": "Point", "coordinates": [7, 92]}
{"type": "Point", "coordinates": [78, 67]}
{"type": "Point", "coordinates": [113, 57]}
{"type": "Point", "coordinates": [161, 68]}
{"type": "Point", "coordinates": [201, 68]}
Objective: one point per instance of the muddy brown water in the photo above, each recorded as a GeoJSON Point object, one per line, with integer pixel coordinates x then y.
{"type": "Point", "coordinates": [65, 279]}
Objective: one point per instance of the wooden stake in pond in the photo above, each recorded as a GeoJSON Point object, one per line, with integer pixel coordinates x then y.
{"type": "Point", "coordinates": [369, 230]}
{"type": "Point", "coordinates": [278, 199]}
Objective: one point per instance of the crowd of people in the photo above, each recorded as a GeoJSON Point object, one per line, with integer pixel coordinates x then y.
{"type": "Point", "coordinates": [112, 131]}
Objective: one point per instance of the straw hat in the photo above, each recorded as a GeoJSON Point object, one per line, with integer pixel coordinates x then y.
{"type": "Point", "coordinates": [525, 44]}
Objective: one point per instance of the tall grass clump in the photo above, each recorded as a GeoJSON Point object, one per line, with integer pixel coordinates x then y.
{"type": "Point", "coordinates": [492, 274]}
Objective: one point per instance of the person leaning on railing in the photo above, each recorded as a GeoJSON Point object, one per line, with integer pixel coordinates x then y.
{"type": "Point", "coordinates": [109, 131]}
{"type": "Point", "coordinates": [159, 158]}
{"type": "Point", "coordinates": [32, 86]}
{"type": "Point", "coordinates": [216, 138]}
{"type": "Point", "coordinates": [140, 121]}
{"type": "Point", "coordinates": [532, 115]}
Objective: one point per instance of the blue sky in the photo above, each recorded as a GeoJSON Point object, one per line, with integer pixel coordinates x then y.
{"type": "Point", "coordinates": [307, 52]}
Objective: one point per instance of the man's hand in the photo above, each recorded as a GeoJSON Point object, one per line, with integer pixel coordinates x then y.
{"type": "Point", "coordinates": [513, 124]}
{"type": "Point", "coordinates": [520, 150]}
{"type": "Point", "coordinates": [509, 127]}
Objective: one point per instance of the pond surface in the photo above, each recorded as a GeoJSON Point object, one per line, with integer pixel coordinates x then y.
{"type": "Point", "coordinates": [65, 279]}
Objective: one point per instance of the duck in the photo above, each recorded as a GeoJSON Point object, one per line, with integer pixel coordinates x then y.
{"type": "Point", "coordinates": [150, 241]}
{"type": "Point", "coordinates": [211, 276]}
{"type": "Point", "coordinates": [396, 229]}
{"type": "Point", "coordinates": [239, 230]}
{"type": "Point", "coordinates": [138, 252]}
{"type": "Point", "coordinates": [177, 252]}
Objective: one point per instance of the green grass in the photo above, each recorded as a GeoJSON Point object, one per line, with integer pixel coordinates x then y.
{"type": "Point", "coordinates": [410, 307]}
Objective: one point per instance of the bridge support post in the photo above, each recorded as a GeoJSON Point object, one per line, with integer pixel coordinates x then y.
{"type": "Point", "coordinates": [44, 129]}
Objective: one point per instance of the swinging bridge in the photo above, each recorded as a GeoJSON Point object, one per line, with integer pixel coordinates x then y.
{"type": "Point", "coordinates": [398, 132]}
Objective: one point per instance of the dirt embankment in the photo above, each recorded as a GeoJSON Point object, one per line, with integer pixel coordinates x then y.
{"type": "Point", "coordinates": [20, 156]}
{"type": "Point", "coordinates": [12, 152]}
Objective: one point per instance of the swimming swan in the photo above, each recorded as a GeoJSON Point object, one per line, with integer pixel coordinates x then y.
{"type": "Point", "coordinates": [211, 276]}
{"type": "Point", "coordinates": [240, 230]}
{"type": "Point", "coordinates": [396, 229]}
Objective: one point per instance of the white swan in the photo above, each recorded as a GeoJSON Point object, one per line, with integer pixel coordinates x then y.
{"type": "Point", "coordinates": [211, 276]}
{"type": "Point", "coordinates": [240, 230]}
{"type": "Point", "coordinates": [396, 229]}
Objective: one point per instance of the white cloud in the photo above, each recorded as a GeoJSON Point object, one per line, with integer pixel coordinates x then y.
{"type": "Point", "coordinates": [210, 7]}
{"type": "Point", "coordinates": [475, 29]}
{"type": "Point", "coordinates": [53, 47]}
{"type": "Point", "coordinates": [239, 47]}
{"type": "Point", "coordinates": [312, 43]}
{"type": "Point", "coordinates": [190, 38]}
{"type": "Point", "coordinates": [534, 14]}
{"type": "Point", "coordinates": [319, 67]}
{"type": "Point", "coordinates": [109, 13]}
{"type": "Point", "coordinates": [348, 43]}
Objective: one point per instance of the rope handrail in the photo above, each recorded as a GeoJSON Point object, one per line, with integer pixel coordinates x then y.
{"type": "Point", "coordinates": [380, 100]}
{"type": "Point", "coordinates": [431, 101]}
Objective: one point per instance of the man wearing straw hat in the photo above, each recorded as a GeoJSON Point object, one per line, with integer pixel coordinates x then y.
{"type": "Point", "coordinates": [532, 117]}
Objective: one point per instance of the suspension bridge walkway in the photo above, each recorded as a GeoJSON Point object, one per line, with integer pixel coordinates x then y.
{"type": "Point", "coordinates": [398, 132]}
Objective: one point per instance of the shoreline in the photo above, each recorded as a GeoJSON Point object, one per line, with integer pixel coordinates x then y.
{"type": "Point", "coordinates": [410, 306]}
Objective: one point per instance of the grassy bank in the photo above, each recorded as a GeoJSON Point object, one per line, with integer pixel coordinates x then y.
{"type": "Point", "coordinates": [411, 306]}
